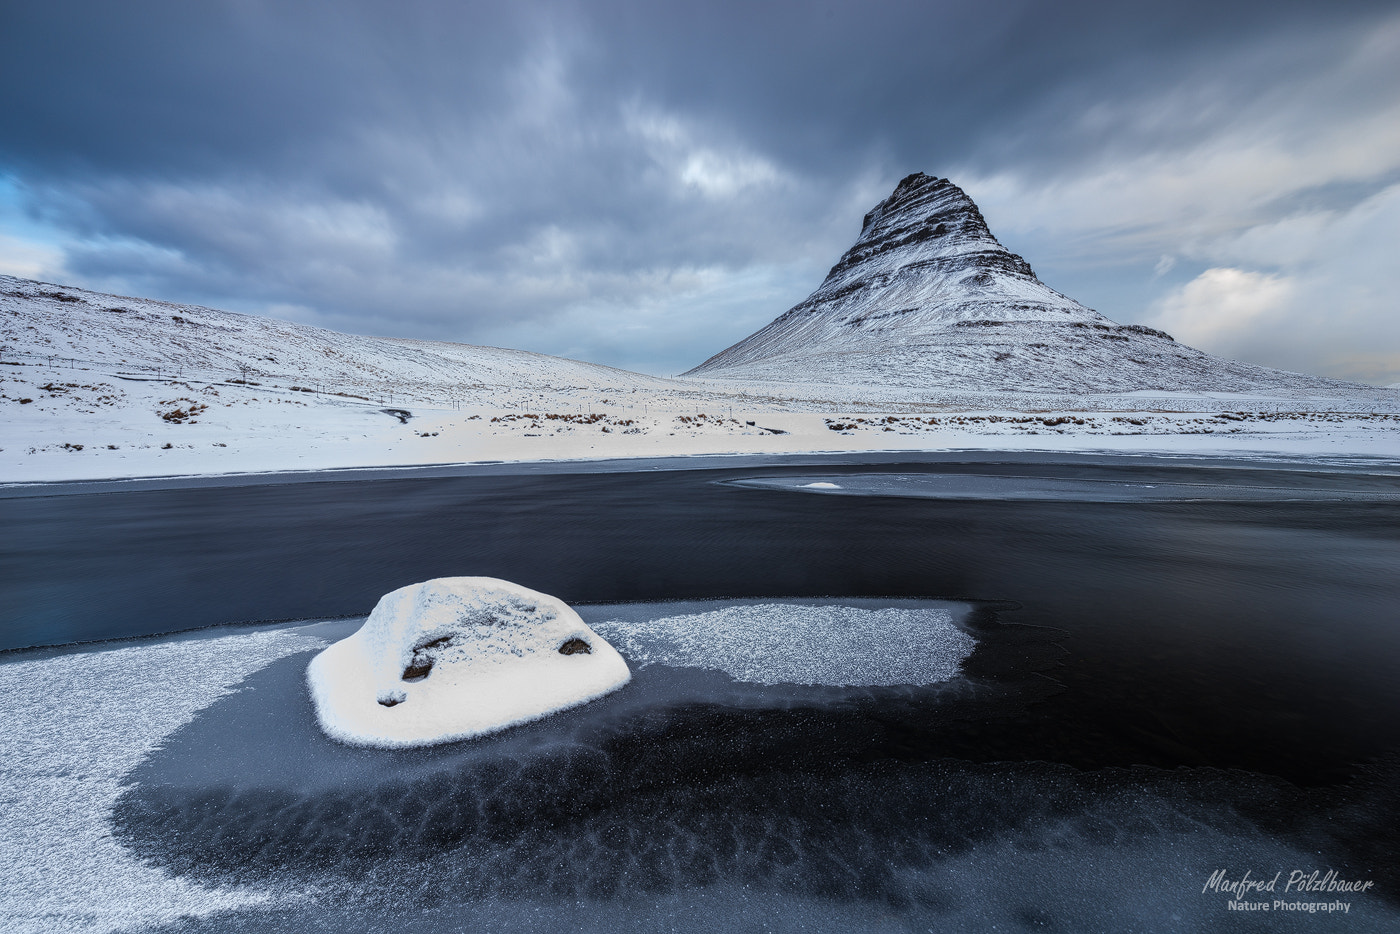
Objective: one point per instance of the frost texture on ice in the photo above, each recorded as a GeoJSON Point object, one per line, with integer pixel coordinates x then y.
{"type": "Point", "coordinates": [458, 657]}
{"type": "Point", "coordinates": [774, 643]}
{"type": "Point", "coordinates": [74, 724]}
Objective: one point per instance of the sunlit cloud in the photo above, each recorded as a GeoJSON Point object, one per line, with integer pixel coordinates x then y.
{"type": "Point", "coordinates": [1222, 307]}
{"type": "Point", "coordinates": [1333, 309]}
{"type": "Point", "coordinates": [28, 259]}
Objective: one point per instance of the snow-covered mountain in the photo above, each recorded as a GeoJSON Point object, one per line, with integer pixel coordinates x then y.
{"type": "Point", "coordinates": [928, 298]}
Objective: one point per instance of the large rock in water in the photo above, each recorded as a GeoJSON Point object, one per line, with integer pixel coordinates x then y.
{"type": "Point", "coordinates": [455, 658]}
{"type": "Point", "coordinates": [927, 298]}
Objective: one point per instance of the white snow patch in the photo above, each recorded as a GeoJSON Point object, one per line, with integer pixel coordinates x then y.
{"type": "Point", "coordinates": [458, 657]}
{"type": "Point", "coordinates": [74, 725]}
{"type": "Point", "coordinates": [775, 643]}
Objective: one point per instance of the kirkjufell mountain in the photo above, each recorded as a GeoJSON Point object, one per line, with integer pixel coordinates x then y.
{"type": "Point", "coordinates": [927, 298]}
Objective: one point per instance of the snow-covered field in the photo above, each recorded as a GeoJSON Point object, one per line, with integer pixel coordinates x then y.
{"type": "Point", "coordinates": [96, 386]}
{"type": "Point", "coordinates": [86, 424]}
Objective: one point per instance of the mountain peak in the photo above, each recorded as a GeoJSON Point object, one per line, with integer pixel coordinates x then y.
{"type": "Point", "coordinates": [928, 298]}
{"type": "Point", "coordinates": [925, 260]}
{"type": "Point", "coordinates": [910, 187]}
{"type": "Point", "coordinates": [925, 209]}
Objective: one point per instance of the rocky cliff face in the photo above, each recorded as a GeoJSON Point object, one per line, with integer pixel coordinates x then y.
{"type": "Point", "coordinates": [927, 297]}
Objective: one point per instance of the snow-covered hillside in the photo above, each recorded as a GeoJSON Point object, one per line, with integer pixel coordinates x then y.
{"type": "Point", "coordinates": [928, 298]}
{"type": "Point", "coordinates": [134, 336]}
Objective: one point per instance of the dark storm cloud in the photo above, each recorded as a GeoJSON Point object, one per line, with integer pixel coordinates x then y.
{"type": "Point", "coordinates": [171, 87]}
{"type": "Point", "coordinates": [632, 183]}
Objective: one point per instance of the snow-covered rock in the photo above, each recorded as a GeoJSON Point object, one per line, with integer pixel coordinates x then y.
{"type": "Point", "coordinates": [455, 658]}
{"type": "Point", "coordinates": [928, 298]}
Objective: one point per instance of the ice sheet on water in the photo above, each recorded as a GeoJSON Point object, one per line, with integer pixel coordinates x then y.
{"type": "Point", "coordinates": [1107, 488]}
{"type": "Point", "coordinates": [74, 724]}
{"type": "Point", "coordinates": [662, 806]}
{"type": "Point", "coordinates": [780, 643]}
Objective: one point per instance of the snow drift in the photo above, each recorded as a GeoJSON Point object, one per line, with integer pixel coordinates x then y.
{"type": "Point", "coordinates": [455, 658]}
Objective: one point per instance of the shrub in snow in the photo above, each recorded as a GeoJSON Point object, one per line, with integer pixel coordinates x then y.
{"type": "Point", "coordinates": [455, 658]}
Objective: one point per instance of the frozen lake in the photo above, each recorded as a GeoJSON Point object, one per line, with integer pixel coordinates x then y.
{"type": "Point", "coordinates": [1122, 694]}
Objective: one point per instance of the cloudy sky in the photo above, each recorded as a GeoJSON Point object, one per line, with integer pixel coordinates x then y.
{"type": "Point", "coordinates": [642, 184]}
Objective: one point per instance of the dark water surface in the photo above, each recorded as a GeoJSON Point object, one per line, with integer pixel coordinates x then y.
{"type": "Point", "coordinates": [1161, 685]}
